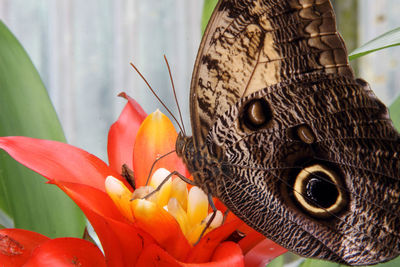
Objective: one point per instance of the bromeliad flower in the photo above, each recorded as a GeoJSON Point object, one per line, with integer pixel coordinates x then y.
{"type": "Point", "coordinates": [162, 229]}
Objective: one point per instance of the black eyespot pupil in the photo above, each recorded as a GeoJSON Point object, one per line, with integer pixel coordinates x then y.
{"type": "Point", "coordinates": [257, 114]}
{"type": "Point", "coordinates": [321, 191]}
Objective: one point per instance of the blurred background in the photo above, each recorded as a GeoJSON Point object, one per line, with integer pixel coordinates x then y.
{"type": "Point", "coordinates": [82, 50]}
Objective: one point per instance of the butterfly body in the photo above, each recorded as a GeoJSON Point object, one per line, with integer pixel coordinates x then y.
{"type": "Point", "coordinates": [199, 163]}
{"type": "Point", "coordinates": [287, 138]}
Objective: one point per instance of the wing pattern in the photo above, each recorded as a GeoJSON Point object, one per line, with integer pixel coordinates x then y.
{"type": "Point", "coordinates": [250, 45]}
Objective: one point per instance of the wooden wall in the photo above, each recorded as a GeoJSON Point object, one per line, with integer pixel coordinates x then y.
{"type": "Point", "coordinates": [82, 50]}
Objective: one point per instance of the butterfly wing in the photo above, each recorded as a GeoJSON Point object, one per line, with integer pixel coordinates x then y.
{"type": "Point", "coordinates": [321, 178]}
{"type": "Point", "coordinates": [249, 45]}
{"type": "Point", "coordinates": [308, 155]}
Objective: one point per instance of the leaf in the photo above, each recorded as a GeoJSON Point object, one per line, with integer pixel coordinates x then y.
{"type": "Point", "coordinates": [25, 109]}
{"type": "Point", "coordinates": [322, 263]}
{"type": "Point", "coordinates": [277, 262]}
{"type": "Point", "coordinates": [318, 263]}
{"type": "Point", "coordinates": [389, 39]}
{"type": "Point", "coordinates": [392, 263]}
{"type": "Point", "coordinates": [395, 113]}
{"type": "Point", "coordinates": [208, 8]}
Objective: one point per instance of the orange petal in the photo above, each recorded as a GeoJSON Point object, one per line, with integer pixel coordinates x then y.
{"type": "Point", "coordinates": [162, 226]}
{"type": "Point", "coordinates": [122, 134]}
{"type": "Point", "coordinates": [156, 137]}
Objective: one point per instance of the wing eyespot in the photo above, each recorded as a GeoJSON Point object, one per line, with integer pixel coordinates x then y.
{"type": "Point", "coordinates": [302, 133]}
{"type": "Point", "coordinates": [318, 190]}
{"type": "Point", "coordinates": [256, 115]}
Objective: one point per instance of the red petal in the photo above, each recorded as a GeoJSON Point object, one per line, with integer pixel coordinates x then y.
{"type": "Point", "coordinates": [58, 161]}
{"type": "Point", "coordinates": [121, 241]}
{"type": "Point", "coordinates": [122, 134]}
{"type": "Point", "coordinates": [220, 206]}
{"type": "Point", "coordinates": [251, 240]}
{"type": "Point", "coordinates": [153, 255]}
{"type": "Point", "coordinates": [89, 198]}
{"type": "Point", "coordinates": [156, 137]}
{"type": "Point", "coordinates": [263, 253]}
{"type": "Point", "coordinates": [16, 245]}
{"type": "Point", "coordinates": [203, 251]}
{"type": "Point", "coordinates": [66, 251]}
{"type": "Point", "coordinates": [227, 254]}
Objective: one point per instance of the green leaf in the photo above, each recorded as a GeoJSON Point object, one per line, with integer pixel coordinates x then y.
{"type": "Point", "coordinates": [389, 39]}
{"type": "Point", "coordinates": [395, 113]}
{"type": "Point", "coordinates": [277, 262]}
{"type": "Point", "coordinates": [208, 8]}
{"type": "Point", "coordinates": [318, 263]}
{"type": "Point", "coordinates": [322, 263]}
{"type": "Point", "coordinates": [25, 109]}
{"type": "Point", "coordinates": [392, 263]}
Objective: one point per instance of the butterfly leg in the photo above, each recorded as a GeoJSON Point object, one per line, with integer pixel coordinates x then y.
{"type": "Point", "coordinates": [186, 180]}
{"type": "Point", "coordinates": [154, 164]}
{"type": "Point", "coordinates": [181, 176]}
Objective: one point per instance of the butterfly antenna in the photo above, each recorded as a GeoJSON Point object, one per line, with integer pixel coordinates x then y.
{"type": "Point", "coordinates": [154, 93]}
{"type": "Point", "coordinates": [173, 90]}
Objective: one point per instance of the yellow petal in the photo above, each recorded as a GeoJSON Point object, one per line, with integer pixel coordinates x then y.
{"type": "Point", "coordinates": [120, 195]}
{"type": "Point", "coordinates": [217, 221]}
{"type": "Point", "coordinates": [197, 208]}
{"type": "Point", "coordinates": [165, 191]}
{"type": "Point", "coordinates": [195, 232]}
{"type": "Point", "coordinates": [176, 210]}
{"type": "Point", "coordinates": [143, 208]}
{"type": "Point", "coordinates": [180, 192]}
{"type": "Point", "coordinates": [144, 191]}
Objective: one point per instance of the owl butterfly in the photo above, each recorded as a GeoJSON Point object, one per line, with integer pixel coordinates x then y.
{"type": "Point", "coordinates": [287, 138]}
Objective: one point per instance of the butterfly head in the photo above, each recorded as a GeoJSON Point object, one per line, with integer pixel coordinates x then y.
{"type": "Point", "coordinates": [180, 144]}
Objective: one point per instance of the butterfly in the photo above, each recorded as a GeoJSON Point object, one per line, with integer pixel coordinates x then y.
{"type": "Point", "coordinates": [287, 138]}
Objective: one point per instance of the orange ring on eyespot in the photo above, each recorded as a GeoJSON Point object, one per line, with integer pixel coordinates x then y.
{"type": "Point", "coordinates": [299, 194]}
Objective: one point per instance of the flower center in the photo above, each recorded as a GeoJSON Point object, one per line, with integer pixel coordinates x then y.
{"type": "Point", "coordinates": [190, 208]}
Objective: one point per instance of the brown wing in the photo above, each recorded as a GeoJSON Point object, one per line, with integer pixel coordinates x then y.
{"type": "Point", "coordinates": [251, 44]}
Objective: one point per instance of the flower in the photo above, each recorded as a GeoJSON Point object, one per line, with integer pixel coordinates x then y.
{"type": "Point", "coordinates": [161, 230]}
